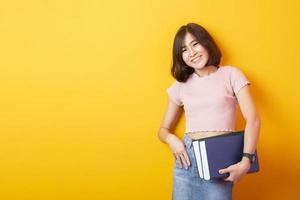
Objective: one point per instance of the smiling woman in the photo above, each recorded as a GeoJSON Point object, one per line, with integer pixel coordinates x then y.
{"type": "Point", "coordinates": [209, 94]}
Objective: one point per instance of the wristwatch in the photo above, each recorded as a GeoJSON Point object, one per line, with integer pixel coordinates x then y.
{"type": "Point", "coordinates": [250, 156]}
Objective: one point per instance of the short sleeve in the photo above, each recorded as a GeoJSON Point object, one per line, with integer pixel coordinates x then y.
{"type": "Point", "coordinates": [238, 80]}
{"type": "Point", "coordinates": [174, 93]}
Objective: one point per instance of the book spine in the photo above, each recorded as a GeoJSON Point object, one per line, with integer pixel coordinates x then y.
{"type": "Point", "coordinates": [198, 157]}
{"type": "Point", "coordinates": [204, 160]}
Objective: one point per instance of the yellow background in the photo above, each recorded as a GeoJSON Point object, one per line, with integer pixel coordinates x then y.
{"type": "Point", "coordinates": [83, 92]}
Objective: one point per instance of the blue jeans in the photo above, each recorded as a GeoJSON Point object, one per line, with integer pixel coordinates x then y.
{"type": "Point", "coordinates": [187, 184]}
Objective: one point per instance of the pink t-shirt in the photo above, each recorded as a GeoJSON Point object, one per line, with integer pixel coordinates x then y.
{"type": "Point", "coordinates": [210, 101]}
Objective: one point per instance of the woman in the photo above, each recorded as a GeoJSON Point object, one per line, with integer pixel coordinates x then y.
{"type": "Point", "coordinates": [208, 94]}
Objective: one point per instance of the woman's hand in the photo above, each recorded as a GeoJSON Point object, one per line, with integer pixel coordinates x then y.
{"type": "Point", "coordinates": [178, 148]}
{"type": "Point", "coordinates": [236, 171]}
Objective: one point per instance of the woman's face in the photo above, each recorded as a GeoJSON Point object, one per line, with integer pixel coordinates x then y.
{"type": "Point", "coordinates": [193, 53]}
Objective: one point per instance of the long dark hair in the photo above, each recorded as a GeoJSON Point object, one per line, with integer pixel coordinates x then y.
{"type": "Point", "coordinates": [180, 71]}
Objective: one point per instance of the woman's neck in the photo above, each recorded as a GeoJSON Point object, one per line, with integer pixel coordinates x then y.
{"type": "Point", "coordinates": [206, 70]}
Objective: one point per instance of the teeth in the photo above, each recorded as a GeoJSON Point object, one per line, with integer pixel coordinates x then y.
{"type": "Point", "coordinates": [195, 59]}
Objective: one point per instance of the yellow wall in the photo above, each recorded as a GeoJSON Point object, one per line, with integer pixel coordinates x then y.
{"type": "Point", "coordinates": [83, 93]}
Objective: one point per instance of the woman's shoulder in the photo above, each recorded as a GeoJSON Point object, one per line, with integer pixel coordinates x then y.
{"type": "Point", "coordinates": [231, 70]}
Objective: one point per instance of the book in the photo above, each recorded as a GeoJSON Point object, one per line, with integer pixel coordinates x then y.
{"type": "Point", "coordinates": [219, 152]}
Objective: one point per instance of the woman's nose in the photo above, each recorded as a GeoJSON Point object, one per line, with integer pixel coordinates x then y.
{"type": "Point", "coordinates": [191, 53]}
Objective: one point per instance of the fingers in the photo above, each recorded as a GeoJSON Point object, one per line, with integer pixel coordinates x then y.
{"type": "Point", "coordinates": [223, 171]}
{"type": "Point", "coordinates": [183, 159]}
{"type": "Point", "coordinates": [177, 157]}
{"type": "Point", "coordinates": [228, 179]}
{"type": "Point", "coordinates": [232, 178]}
{"type": "Point", "coordinates": [184, 162]}
{"type": "Point", "coordinates": [187, 158]}
{"type": "Point", "coordinates": [234, 173]}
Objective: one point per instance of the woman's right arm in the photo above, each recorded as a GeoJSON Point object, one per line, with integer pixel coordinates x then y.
{"type": "Point", "coordinates": [165, 133]}
{"type": "Point", "coordinates": [169, 121]}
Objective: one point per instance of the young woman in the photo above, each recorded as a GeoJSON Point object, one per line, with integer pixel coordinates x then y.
{"type": "Point", "coordinates": [208, 94]}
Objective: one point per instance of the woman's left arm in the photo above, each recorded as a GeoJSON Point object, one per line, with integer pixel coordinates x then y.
{"type": "Point", "coordinates": [251, 135]}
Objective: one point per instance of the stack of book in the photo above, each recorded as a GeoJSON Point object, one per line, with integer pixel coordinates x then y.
{"type": "Point", "coordinates": [219, 152]}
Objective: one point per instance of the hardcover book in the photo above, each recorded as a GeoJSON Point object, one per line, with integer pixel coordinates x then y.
{"type": "Point", "coordinates": [218, 152]}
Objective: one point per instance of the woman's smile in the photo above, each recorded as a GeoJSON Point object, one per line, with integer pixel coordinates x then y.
{"type": "Point", "coordinates": [196, 59]}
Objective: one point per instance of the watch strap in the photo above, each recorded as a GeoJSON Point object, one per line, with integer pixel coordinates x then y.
{"type": "Point", "coordinates": [250, 156]}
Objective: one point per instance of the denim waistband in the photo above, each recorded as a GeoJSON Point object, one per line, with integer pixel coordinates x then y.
{"type": "Point", "coordinates": [189, 141]}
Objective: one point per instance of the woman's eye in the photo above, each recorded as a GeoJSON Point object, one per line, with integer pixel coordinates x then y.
{"type": "Point", "coordinates": [195, 43]}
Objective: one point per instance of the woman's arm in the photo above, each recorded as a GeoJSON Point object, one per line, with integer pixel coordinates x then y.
{"type": "Point", "coordinates": [165, 134]}
{"type": "Point", "coordinates": [251, 116]}
{"type": "Point", "coordinates": [168, 123]}
{"type": "Point", "coordinates": [251, 135]}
